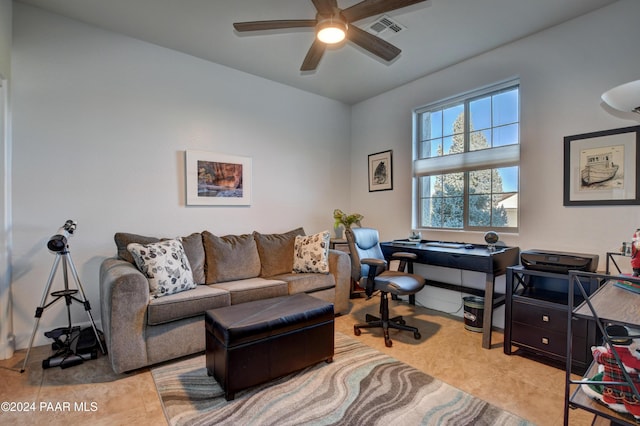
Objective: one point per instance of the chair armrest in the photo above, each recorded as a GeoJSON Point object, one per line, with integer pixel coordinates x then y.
{"type": "Point", "coordinates": [375, 265]}
{"type": "Point", "coordinates": [404, 255]}
{"type": "Point", "coordinates": [374, 262]}
{"type": "Point", "coordinates": [406, 259]}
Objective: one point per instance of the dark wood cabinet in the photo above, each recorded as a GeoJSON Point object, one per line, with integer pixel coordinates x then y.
{"type": "Point", "coordinates": [536, 312]}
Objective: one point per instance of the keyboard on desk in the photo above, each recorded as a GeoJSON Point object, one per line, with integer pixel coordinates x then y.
{"type": "Point", "coordinates": [445, 244]}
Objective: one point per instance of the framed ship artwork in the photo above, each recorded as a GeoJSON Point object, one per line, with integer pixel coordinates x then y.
{"type": "Point", "coordinates": [601, 168]}
{"type": "Point", "coordinates": [380, 171]}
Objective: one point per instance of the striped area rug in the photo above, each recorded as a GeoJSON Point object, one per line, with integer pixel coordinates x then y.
{"type": "Point", "coordinates": [362, 386]}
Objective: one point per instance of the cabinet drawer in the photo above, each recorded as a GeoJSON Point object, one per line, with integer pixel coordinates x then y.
{"type": "Point", "coordinates": [549, 341]}
{"type": "Point", "coordinates": [546, 318]}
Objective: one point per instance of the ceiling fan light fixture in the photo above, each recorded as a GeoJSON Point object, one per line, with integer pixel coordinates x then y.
{"type": "Point", "coordinates": [625, 97]}
{"type": "Point", "coordinates": [331, 31]}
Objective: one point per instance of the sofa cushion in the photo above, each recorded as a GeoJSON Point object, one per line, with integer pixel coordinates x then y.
{"type": "Point", "coordinates": [230, 258]}
{"type": "Point", "coordinates": [307, 283]}
{"type": "Point", "coordinates": [194, 250]}
{"type": "Point", "coordinates": [253, 289]}
{"type": "Point", "coordinates": [192, 245]}
{"type": "Point", "coordinates": [123, 239]}
{"type": "Point", "coordinates": [165, 265]}
{"type": "Point", "coordinates": [276, 251]}
{"type": "Point", "coordinates": [311, 253]}
{"type": "Point", "coordinates": [186, 304]}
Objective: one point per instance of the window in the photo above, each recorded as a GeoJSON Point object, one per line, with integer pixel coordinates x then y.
{"type": "Point", "coordinates": [466, 161]}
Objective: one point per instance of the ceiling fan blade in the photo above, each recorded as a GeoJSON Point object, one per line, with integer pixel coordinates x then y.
{"type": "Point", "coordinates": [273, 25]}
{"type": "Point", "coordinates": [314, 55]}
{"type": "Point", "coordinates": [373, 44]}
{"type": "Point", "coordinates": [325, 7]}
{"type": "Point", "coordinates": [367, 8]}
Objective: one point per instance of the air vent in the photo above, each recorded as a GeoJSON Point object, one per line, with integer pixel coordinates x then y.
{"type": "Point", "coordinates": [385, 27]}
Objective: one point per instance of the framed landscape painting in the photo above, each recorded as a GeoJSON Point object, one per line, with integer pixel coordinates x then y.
{"type": "Point", "coordinates": [214, 179]}
{"type": "Point", "coordinates": [601, 168]}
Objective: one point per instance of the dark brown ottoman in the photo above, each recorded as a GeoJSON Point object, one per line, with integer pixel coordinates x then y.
{"type": "Point", "coordinates": [254, 342]}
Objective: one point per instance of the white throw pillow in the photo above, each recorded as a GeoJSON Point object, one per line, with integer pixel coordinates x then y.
{"type": "Point", "coordinates": [165, 265]}
{"type": "Point", "coordinates": [311, 253]}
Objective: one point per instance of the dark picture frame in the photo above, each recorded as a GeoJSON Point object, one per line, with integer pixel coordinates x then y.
{"type": "Point", "coordinates": [601, 168]}
{"type": "Point", "coordinates": [381, 171]}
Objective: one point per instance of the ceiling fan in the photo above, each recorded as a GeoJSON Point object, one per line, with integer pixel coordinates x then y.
{"type": "Point", "coordinates": [333, 25]}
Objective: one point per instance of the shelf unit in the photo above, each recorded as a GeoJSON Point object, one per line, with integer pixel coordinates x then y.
{"type": "Point", "coordinates": [536, 309]}
{"type": "Point", "coordinates": [607, 305]}
{"type": "Point", "coordinates": [611, 259]}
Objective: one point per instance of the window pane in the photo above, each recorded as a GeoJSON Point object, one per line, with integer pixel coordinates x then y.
{"type": "Point", "coordinates": [480, 111]}
{"type": "Point", "coordinates": [480, 182]}
{"type": "Point", "coordinates": [452, 184]}
{"type": "Point", "coordinates": [506, 135]}
{"type": "Point", "coordinates": [479, 210]}
{"type": "Point", "coordinates": [453, 144]}
{"type": "Point", "coordinates": [480, 140]}
{"type": "Point", "coordinates": [452, 209]}
{"type": "Point", "coordinates": [505, 107]}
{"type": "Point", "coordinates": [435, 124]}
{"type": "Point", "coordinates": [505, 210]}
{"type": "Point", "coordinates": [430, 148]}
{"type": "Point", "coordinates": [428, 186]}
{"type": "Point", "coordinates": [507, 205]}
{"type": "Point", "coordinates": [453, 120]}
{"type": "Point", "coordinates": [509, 177]}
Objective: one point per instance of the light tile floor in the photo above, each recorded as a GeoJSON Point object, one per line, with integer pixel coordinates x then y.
{"type": "Point", "coordinates": [91, 394]}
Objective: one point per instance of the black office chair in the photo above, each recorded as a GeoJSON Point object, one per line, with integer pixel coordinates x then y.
{"type": "Point", "coordinates": [370, 270]}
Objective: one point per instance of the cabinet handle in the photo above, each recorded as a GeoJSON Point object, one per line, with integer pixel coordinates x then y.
{"type": "Point", "coordinates": [545, 341]}
{"type": "Point", "coordinates": [545, 318]}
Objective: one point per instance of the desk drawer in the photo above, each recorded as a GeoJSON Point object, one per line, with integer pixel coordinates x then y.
{"type": "Point", "coordinates": [549, 341]}
{"type": "Point", "coordinates": [546, 318]}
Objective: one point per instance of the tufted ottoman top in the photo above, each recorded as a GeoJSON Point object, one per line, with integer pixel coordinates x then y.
{"type": "Point", "coordinates": [247, 322]}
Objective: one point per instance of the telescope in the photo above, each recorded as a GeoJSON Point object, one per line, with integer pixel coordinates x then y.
{"type": "Point", "coordinates": [78, 346]}
{"type": "Point", "coordinates": [58, 242]}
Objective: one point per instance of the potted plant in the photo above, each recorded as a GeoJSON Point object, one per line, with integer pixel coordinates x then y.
{"type": "Point", "coordinates": [343, 221]}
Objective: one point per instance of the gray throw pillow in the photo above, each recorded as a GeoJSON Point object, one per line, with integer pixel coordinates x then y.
{"type": "Point", "coordinates": [229, 258]}
{"type": "Point", "coordinates": [276, 252]}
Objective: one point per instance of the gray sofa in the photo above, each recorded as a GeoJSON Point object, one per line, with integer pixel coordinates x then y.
{"type": "Point", "coordinates": [142, 330]}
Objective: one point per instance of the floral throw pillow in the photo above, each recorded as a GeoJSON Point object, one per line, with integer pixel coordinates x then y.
{"type": "Point", "coordinates": [311, 253]}
{"type": "Point", "coordinates": [165, 265]}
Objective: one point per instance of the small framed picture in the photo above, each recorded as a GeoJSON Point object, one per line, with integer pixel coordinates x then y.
{"type": "Point", "coordinates": [601, 168]}
{"type": "Point", "coordinates": [381, 171]}
{"type": "Point", "coordinates": [217, 179]}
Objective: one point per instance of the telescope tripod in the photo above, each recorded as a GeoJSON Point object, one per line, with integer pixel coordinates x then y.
{"type": "Point", "coordinates": [66, 355]}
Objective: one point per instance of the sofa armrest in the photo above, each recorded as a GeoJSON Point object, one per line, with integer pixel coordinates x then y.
{"type": "Point", "coordinates": [124, 297]}
{"type": "Point", "coordinates": [340, 267]}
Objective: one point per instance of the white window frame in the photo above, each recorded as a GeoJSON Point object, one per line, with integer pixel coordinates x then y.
{"type": "Point", "coordinates": [490, 158]}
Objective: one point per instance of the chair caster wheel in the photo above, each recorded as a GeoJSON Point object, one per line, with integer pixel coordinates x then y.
{"type": "Point", "coordinates": [388, 343]}
{"type": "Point", "coordinates": [416, 335]}
{"type": "Point", "coordinates": [356, 331]}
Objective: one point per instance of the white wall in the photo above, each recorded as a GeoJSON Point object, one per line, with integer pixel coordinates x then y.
{"type": "Point", "coordinates": [101, 123]}
{"type": "Point", "coordinates": [563, 71]}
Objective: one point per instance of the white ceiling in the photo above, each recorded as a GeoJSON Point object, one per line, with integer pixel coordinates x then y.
{"type": "Point", "coordinates": [439, 33]}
